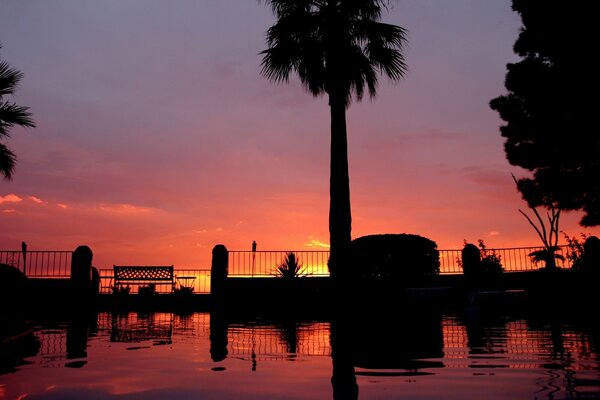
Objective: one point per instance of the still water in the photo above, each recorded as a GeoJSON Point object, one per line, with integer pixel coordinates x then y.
{"type": "Point", "coordinates": [405, 356]}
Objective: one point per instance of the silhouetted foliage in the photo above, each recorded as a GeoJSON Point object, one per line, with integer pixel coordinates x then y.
{"type": "Point", "coordinates": [147, 290]}
{"type": "Point", "coordinates": [491, 263]}
{"type": "Point", "coordinates": [584, 256]}
{"type": "Point", "coordinates": [121, 290]}
{"type": "Point", "coordinates": [290, 267]}
{"type": "Point", "coordinates": [11, 115]}
{"type": "Point", "coordinates": [403, 258]}
{"type": "Point", "coordinates": [183, 290]}
{"type": "Point", "coordinates": [551, 107]}
{"type": "Point", "coordinates": [575, 250]}
{"type": "Point", "coordinates": [336, 48]}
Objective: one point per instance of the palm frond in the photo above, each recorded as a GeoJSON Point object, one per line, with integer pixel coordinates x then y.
{"type": "Point", "coordinates": [7, 161]}
{"type": "Point", "coordinates": [9, 79]}
{"type": "Point", "coordinates": [12, 114]}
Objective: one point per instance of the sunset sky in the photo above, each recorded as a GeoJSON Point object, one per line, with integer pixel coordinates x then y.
{"type": "Point", "coordinates": [157, 137]}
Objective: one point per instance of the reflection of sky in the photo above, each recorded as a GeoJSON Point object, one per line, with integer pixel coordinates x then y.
{"type": "Point", "coordinates": [157, 138]}
{"type": "Point", "coordinates": [161, 355]}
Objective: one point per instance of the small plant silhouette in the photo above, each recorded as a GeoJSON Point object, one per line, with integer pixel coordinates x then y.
{"type": "Point", "coordinates": [121, 290]}
{"type": "Point", "coordinates": [547, 255]}
{"type": "Point", "coordinates": [147, 290]}
{"type": "Point", "coordinates": [491, 263]}
{"type": "Point", "coordinates": [575, 250]}
{"type": "Point", "coordinates": [184, 290]}
{"type": "Point", "coordinates": [290, 267]}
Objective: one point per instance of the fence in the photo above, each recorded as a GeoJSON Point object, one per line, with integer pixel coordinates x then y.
{"type": "Point", "coordinates": [57, 264]}
{"type": "Point", "coordinates": [264, 263]}
{"type": "Point", "coordinates": [314, 263]}
{"type": "Point", "coordinates": [39, 264]}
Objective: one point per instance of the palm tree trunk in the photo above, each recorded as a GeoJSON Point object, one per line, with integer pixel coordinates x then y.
{"type": "Point", "coordinates": [340, 218]}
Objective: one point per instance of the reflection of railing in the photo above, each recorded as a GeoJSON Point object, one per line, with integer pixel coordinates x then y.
{"type": "Point", "coordinates": [275, 342]}
{"type": "Point", "coordinates": [39, 264]}
{"type": "Point", "coordinates": [264, 263]}
{"type": "Point", "coordinates": [514, 345]}
{"type": "Point", "coordinates": [198, 279]}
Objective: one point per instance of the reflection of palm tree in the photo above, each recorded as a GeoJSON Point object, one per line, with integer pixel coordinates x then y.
{"type": "Point", "coordinates": [336, 48]}
{"type": "Point", "coordinates": [11, 114]}
{"type": "Point", "coordinates": [343, 378]}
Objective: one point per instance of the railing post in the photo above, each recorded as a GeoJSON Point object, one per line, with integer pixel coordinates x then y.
{"type": "Point", "coordinates": [24, 252]}
{"type": "Point", "coordinates": [218, 271]}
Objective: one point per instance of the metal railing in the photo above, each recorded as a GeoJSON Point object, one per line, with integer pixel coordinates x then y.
{"type": "Point", "coordinates": [314, 263]}
{"type": "Point", "coordinates": [39, 264]}
{"type": "Point", "coordinates": [198, 279]}
{"type": "Point", "coordinates": [57, 264]}
{"type": "Point", "coordinates": [264, 263]}
{"type": "Point", "coordinates": [513, 259]}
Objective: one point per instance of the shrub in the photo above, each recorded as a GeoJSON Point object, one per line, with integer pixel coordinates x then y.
{"type": "Point", "coordinates": [491, 263]}
{"type": "Point", "coordinates": [575, 251]}
{"type": "Point", "coordinates": [290, 267]}
{"type": "Point", "coordinates": [590, 256]}
{"type": "Point", "coordinates": [121, 290]}
{"type": "Point", "coordinates": [405, 258]}
{"type": "Point", "coordinates": [147, 290]}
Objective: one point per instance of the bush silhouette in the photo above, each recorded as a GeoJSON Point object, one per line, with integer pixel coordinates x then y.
{"type": "Point", "coordinates": [402, 258]}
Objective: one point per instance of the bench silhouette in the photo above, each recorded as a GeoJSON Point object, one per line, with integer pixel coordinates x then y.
{"type": "Point", "coordinates": [143, 274]}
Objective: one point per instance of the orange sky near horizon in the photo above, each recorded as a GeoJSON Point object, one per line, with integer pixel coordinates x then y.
{"type": "Point", "coordinates": [157, 138]}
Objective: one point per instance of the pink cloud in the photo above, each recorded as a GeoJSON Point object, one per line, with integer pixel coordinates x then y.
{"type": "Point", "coordinates": [36, 200]}
{"type": "Point", "coordinates": [10, 198]}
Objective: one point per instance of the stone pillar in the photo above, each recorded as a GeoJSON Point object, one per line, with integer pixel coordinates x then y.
{"type": "Point", "coordinates": [471, 265]}
{"type": "Point", "coordinates": [81, 272]}
{"type": "Point", "coordinates": [591, 255]}
{"type": "Point", "coordinates": [471, 258]}
{"type": "Point", "coordinates": [218, 271]}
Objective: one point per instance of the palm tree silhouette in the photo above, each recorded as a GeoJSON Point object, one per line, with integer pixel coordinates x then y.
{"type": "Point", "coordinates": [336, 48]}
{"type": "Point", "coordinates": [11, 114]}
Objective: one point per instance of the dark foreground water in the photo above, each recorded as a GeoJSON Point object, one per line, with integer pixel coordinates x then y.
{"type": "Point", "coordinates": [427, 355]}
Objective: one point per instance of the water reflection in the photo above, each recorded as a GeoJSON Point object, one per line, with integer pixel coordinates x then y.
{"type": "Point", "coordinates": [401, 355]}
{"type": "Point", "coordinates": [142, 326]}
{"type": "Point", "coordinates": [79, 329]}
{"type": "Point", "coordinates": [408, 341]}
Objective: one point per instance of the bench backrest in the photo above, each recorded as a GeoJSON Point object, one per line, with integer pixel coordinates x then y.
{"type": "Point", "coordinates": [143, 273]}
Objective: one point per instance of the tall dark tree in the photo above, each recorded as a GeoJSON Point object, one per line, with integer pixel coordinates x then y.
{"type": "Point", "coordinates": [551, 109]}
{"type": "Point", "coordinates": [336, 48]}
{"type": "Point", "coordinates": [11, 114]}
